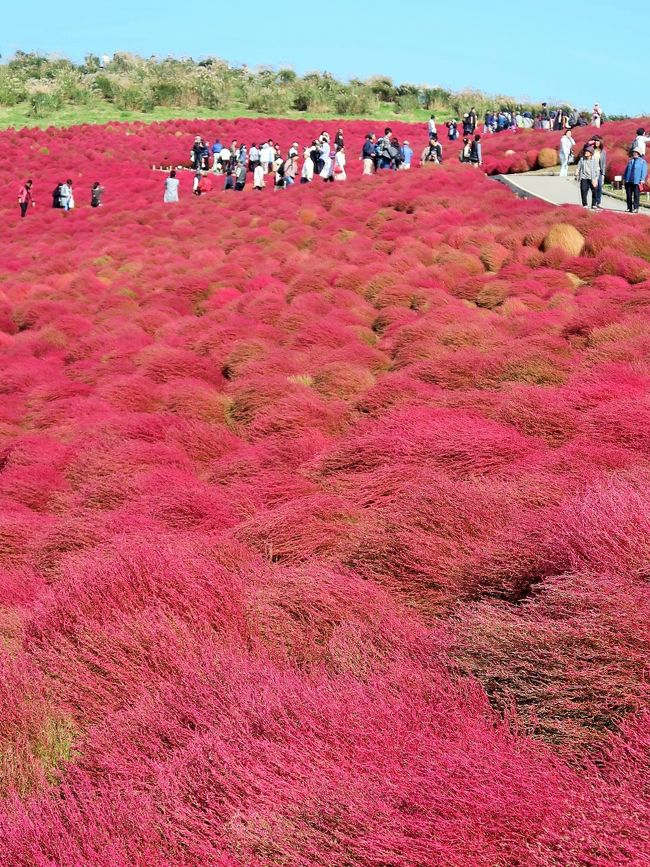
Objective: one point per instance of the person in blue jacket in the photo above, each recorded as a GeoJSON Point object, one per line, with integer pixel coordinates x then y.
{"type": "Point", "coordinates": [636, 172]}
{"type": "Point", "coordinates": [217, 147]}
{"type": "Point", "coordinates": [407, 155]}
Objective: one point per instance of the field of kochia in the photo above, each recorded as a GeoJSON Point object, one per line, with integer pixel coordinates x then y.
{"type": "Point", "coordinates": [324, 515]}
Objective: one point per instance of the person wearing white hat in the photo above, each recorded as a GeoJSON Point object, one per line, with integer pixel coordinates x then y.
{"type": "Point", "coordinates": [407, 156]}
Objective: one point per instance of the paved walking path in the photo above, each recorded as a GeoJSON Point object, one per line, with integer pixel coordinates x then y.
{"type": "Point", "coordinates": [557, 191]}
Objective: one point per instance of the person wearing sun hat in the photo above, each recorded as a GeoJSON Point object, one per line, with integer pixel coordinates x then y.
{"type": "Point", "coordinates": [636, 172]}
{"type": "Point", "coordinates": [587, 176]}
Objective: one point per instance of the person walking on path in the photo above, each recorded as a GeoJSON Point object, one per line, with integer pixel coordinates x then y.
{"type": "Point", "coordinates": [587, 176]}
{"type": "Point", "coordinates": [636, 172]}
{"type": "Point", "coordinates": [96, 195]}
{"type": "Point", "coordinates": [601, 155]}
{"type": "Point", "coordinates": [25, 198]}
{"type": "Point", "coordinates": [567, 143]}
{"type": "Point", "coordinates": [171, 188]}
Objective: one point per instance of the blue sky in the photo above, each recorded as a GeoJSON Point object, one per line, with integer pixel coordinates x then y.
{"type": "Point", "coordinates": [499, 47]}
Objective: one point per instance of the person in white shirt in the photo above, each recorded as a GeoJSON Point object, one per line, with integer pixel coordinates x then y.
{"type": "Point", "coordinates": [224, 158]}
{"type": "Point", "coordinates": [266, 156]}
{"type": "Point", "coordinates": [597, 116]}
{"type": "Point", "coordinates": [339, 164]}
{"type": "Point", "coordinates": [433, 130]}
{"type": "Point", "coordinates": [567, 144]}
{"type": "Point", "coordinates": [307, 174]}
{"type": "Point", "coordinates": [66, 196]}
{"type": "Point", "coordinates": [639, 143]}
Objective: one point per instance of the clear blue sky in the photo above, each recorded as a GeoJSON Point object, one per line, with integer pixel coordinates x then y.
{"type": "Point", "coordinates": [580, 55]}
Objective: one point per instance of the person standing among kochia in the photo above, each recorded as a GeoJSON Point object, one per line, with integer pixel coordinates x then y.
{"type": "Point", "coordinates": [339, 164]}
{"type": "Point", "coordinates": [368, 154]}
{"type": "Point", "coordinates": [25, 198]}
{"type": "Point", "coordinates": [171, 188]}
{"type": "Point", "coordinates": [67, 196]}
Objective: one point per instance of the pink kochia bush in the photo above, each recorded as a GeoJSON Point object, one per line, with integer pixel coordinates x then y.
{"type": "Point", "coordinates": [323, 518]}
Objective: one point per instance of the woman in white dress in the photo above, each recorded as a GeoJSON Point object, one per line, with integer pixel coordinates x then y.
{"type": "Point", "coordinates": [327, 172]}
{"type": "Point", "coordinates": [339, 164]}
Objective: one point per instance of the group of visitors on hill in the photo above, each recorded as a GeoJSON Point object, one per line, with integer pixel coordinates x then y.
{"type": "Point", "coordinates": [62, 196]}
{"type": "Point", "coordinates": [592, 167]}
{"type": "Point", "coordinates": [556, 119]}
{"type": "Point", "coordinates": [322, 159]}
{"type": "Point", "coordinates": [265, 162]}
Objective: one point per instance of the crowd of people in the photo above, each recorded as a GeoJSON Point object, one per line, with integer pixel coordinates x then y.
{"type": "Point", "coordinates": [592, 167]}
{"type": "Point", "coordinates": [503, 120]}
{"type": "Point", "coordinates": [265, 164]}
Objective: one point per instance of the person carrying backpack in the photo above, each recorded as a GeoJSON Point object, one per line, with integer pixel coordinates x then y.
{"type": "Point", "coordinates": [395, 154]}
{"type": "Point", "coordinates": [384, 158]}
{"type": "Point", "coordinates": [465, 151]}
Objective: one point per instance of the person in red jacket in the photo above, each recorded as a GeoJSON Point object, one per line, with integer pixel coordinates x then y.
{"type": "Point", "coordinates": [25, 198]}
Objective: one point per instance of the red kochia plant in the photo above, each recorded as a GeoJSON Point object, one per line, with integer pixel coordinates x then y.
{"type": "Point", "coordinates": [572, 659]}
{"type": "Point", "coordinates": [293, 486]}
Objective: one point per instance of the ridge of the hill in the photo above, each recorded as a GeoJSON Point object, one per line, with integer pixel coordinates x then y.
{"type": "Point", "coordinates": [39, 90]}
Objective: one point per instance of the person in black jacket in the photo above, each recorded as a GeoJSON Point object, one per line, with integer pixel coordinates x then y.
{"type": "Point", "coordinates": [56, 196]}
{"type": "Point", "coordinates": [369, 154]}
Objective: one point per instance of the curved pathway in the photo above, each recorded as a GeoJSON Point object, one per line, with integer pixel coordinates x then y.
{"type": "Point", "coordinates": [557, 191]}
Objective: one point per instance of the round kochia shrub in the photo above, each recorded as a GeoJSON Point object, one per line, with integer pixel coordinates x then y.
{"type": "Point", "coordinates": [547, 158]}
{"type": "Point", "coordinates": [565, 237]}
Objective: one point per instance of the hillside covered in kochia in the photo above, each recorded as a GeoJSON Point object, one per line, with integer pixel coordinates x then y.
{"type": "Point", "coordinates": [324, 519]}
{"type": "Point", "coordinates": [130, 83]}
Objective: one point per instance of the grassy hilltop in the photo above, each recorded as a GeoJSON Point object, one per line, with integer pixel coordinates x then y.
{"type": "Point", "coordinates": [41, 91]}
